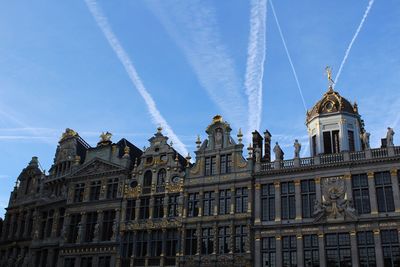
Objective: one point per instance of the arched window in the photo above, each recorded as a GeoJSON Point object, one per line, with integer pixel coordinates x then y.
{"type": "Point", "coordinates": [148, 176]}
{"type": "Point", "coordinates": [161, 177]}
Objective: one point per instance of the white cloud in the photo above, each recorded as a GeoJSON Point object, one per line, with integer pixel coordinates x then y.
{"type": "Point", "coordinates": [156, 116]}
{"type": "Point", "coordinates": [255, 63]}
{"type": "Point", "coordinates": [193, 27]}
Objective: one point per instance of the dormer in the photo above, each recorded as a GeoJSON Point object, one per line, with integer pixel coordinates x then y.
{"type": "Point", "coordinates": [334, 125]}
{"type": "Point", "coordinates": [160, 167]}
{"type": "Point", "coordinates": [219, 153]}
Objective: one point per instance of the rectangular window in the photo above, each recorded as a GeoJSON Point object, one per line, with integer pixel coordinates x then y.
{"type": "Point", "coordinates": [224, 201]}
{"type": "Point", "coordinates": [144, 212]}
{"type": "Point", "coordinates": [314, 145]}
{"type": "Point", "coordinates": [42, 225]}
{"type": "Point", "coordinates": [226, 163]}
{"type": "Point", "coordinates": [268, 252]}
{"type": "Point", "coordinates": [207, 241]}
{"type": "Point", "coordinates": [104, 261]}
{"type": "Point", "coordinates": [289, 251]}
{"type": "Point", "coordinates": [207, 166]}
{"type": "Point", "coordinates": [384, 192]}
{"type": "Point", "coordinates": [311, 252]}
{"type": "Point", "coordinates": [91, 221]}
{"type": "Point", "coordinates": [337, 249]}
{"type": "Point", "coordinates": [127, 249]}
{"type": "Point", "coordinates": [193, 205]}
{"type": "Point", "coordinates": [335, 142]}
{"type": "Point", "coordinates": [112, 188]}
{"type": "Point", "coordinates": [208, 203]}
{"type": "Point", "coordinates": [390, 248]}
{"type": "Point", "coordinates": [288, 201]}
{"type": "Point", "coordinates": [307, 197]}
{"type": "Point", "coordinates": [268, 202]}
{"type": "Point", "coordinates": [173, 206]}
{"type": "Point", "coordinates": [49, 223]}
{"type": "Point", "coordinates": [352, 146]}
{"type": "Point", "coordinates": [158, 209]}
{"type": "Point", "coordinates": [240, 237]}
{"type": "Point", "coordinates": [130, 210]}
{"type": "Point", "coordinates": [22, 225]}
{"type": "Point", "coordinates": [172, 242]}
{"type": "Point", "coordinates": [79, 192]}
{"type": "Point", "coordinates": [191, 242]}
{"type": "Point", "coordinates": [108, 221]}
{"type": "Point", "coordinates": [156, 243]}
{"type": "Point", "coordinates": [366, 249]}
{"type": "Point", "coordinates": [86, 262]}
{"type": "Point", "coordinates": [73, 227]}
{"type": "Point", "coordinates": [213, 165]}
{"type": "Point", "coordinates": [223, 239]}
{"type": "Point", "coordinates": [95, 188]}
{"type": "Point", "coordinates": [327, 143]}
{"type": "Point", "coordinates": [359, 183]}
{"type": "Point", "coordinates": [69, 262]}
{"type": "Point", "coordinates": [60, 221]}
{"type": "Point", "coordinates": [141, 244]}
{"type": "Point", "coordinates": [241, 199]}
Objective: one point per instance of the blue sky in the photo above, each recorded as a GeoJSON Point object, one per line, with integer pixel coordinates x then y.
{"type": "Point", "coordinates": [58, 70]}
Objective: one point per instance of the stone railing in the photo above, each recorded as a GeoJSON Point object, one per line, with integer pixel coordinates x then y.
{"type": "Point", "coordinates": [328, 159]}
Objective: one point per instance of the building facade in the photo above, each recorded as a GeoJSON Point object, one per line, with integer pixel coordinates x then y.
{"type": "Point", "coordinates": [117, 205]}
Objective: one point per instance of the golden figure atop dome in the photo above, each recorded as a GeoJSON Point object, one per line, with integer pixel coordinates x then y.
{"type": "Point", "coordinates": [328, 71]}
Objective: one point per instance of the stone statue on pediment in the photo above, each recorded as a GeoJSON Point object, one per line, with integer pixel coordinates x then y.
{"type": "Point", "coordinates": [297, 148]}
{"type": "Point", "coordinates": [365, 138]}
{"type": "Point", "coordinates": [389, 137]}
{"type": "Point", "coordinates": [278, 152]}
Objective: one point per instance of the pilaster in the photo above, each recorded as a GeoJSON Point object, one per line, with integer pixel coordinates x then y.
{"type": "Point", "coordinates": [277, 202]}
{"type": "Point", "coordinates": [321, 247]}
{"type": "Point", "coordinates": [372, 193]}
{"type": "Point", "coordinates": [354, 250]}
{"type": "Point", "coordinates": [257, 250]}
{"type": "Point", "coordinates": [378, 248]}
{"type": "Point", "coordinates": [298, 199]}
{"type": "Point", "coordinates": [257, 203]}
{"type": "Point", "coordinates": [278, 251]}
{"type": "Point", "coordinates": [300, 254]}
{"type": "Point", "coordinates": [395, 188]}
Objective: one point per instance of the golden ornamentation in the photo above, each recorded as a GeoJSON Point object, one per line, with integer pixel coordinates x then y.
{"type": "Point", "coordinates": [196, 168]}
{"type": "Point", "coordinates": [370, 175]}
{"type": "Point", "coordinates": [393, 172]}
{"type": "Point", "coordinates": [174, 188]}
{"type": "Point", "coordinates": [105, 137]}
{"type": "Point", "coordinates": [130, 192]}
{"type": "Point", "coordinates": [217, 118]}
{"type": "Point", "coordinates": [257, 186]}
{"type": "Point", "coordinates": [68, 133]}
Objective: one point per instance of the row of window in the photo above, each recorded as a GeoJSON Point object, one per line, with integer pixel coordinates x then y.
{"type": "Point", "coordinates": [87, 261]}
{"type": "Point", "coordinates": [337, 250]}
{"type": "Point", "coordinates": [225, 165]}
{"type": "Point", "coordinates": [158, 208]}
{"type": "Point", "coordinates": [222, 236]}
{"type": "Point", "coordinates": [105, 230]}
{"type": "Point", "coordinates": [360, 190]}
{"type": "Point", "coordinates": [225, 198]}
{"type": "Point", "coordinates": [95, 189]}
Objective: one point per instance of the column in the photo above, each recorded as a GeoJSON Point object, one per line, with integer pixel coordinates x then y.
{"type": "Point", "coordinates": [165, 207]}
{"type": "Point", "coordinates": [277, 202]}
{"type": "Point", "coordinates": [257, 250]}
{"type": "Point", "coordinates": [64, 232]}
{"type": "Point", "coordinates": [54, 227]}
{"type": "Point", "coordinates": [321, 244]}
{"type": "Point", "coordinates": [249, 199]}
{"type": "Point", "coordinates": [27, 220]}
{"type": "Point", "coordinates": [201, 195]}
{"type": "Point", "coordinates": [151, 207]}
{"type": "Point", "coordinates": [215, 233]}
{"type": "Point", "coordinates": [117, 219]}
{"type": "Point", "coordinates": [257, 203]}
{"type": "Point", "coordinates": [279, 251]}
{"type": "Point", "coordinates": [232, 200]}
{"type": "Point", "coordinates": [99, 226]}
{"type": "Point", "coordinates": [354, 250]}
{"type": "Point", "coordinates": [372, 193]}
{"type": "Point", "coordinates": [395, 188]}
{"type": "Point", "coordinates": [199, 234]}
{"type": "Point", "coordinates": [81, 228]}
{"type": "Point", "coordinates": [347, 181]}
{"type": "Point", "coordinates": [163, 246]}
{"type": "Point", "coordinates": [297, 190]}
{"type": "Point", "coordinates": [300, 254]}
{"type": "Point", "coordinates": [318, 189]}
{"type": "Point", "coordinates": [50, 258]}
{"type": "Point", "coordinates": [216, 193]}
{"type": "Point", "coordinates": [378, 248]}
{"type": "Point", "coordinates": [137, 209]}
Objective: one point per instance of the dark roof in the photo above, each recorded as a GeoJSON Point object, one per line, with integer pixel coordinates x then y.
{"type": "Point", "coordinates": [332, 102]}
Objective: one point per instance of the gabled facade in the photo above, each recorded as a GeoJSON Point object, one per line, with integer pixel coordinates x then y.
{"type": "Point", "coordinates": [116, 205]}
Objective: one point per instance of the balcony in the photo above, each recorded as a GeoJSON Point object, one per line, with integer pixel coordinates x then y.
{"type": "Point", "coordinates": [330, 159]}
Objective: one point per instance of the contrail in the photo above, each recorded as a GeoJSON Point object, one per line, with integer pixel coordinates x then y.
{"type": "Point", "coordinates": [371, 2]}
{"type": "Point", "coordinates": [288, 55]}
{"type": "Point", "coordinates": [255, 63]}
{"type": "Point", "coordinates": [156, 116]}
{"type": "Point", "coordinates": [193, 26]}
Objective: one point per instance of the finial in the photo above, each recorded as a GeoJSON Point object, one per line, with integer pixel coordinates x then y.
{"type": "Point", "coordinates": [328, 71]}
{"type": "Point", "coordinates": [240, 136]}
{"type": "Point", "coordinates": [188, 157]}
{"type": "Point", "coordinates": [250, 149]}
{"type": "Point", "coordinates": [159, 129]}
{"type": "Point", "coordinates": [144, 148]}
{"type": "Point", "coordinates": [127, 150]}
{"type": "Point", "coordinates": [171, 144]}
{"type": "Point", "coordinates": [198, 142]}
{"type": "Point", "coordinates": [217, 118]}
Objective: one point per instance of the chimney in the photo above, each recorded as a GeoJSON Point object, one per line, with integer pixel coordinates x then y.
{"type": "Point", "coordinates": [267, 146]}
{"type": "Point", "coordinates": [257, 142]}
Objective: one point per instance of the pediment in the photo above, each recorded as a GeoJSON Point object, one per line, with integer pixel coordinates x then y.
{"type": "Point", "coordinates": [97, 166]}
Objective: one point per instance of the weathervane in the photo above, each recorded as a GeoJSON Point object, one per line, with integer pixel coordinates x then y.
{"type": "Point", "coordinates": [329, 74]}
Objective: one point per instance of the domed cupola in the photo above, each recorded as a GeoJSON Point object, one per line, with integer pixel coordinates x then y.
{"type": "Point", "coordinates": [334, 125]}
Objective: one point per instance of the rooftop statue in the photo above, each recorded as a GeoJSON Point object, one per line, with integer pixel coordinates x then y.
{"type": "Point", "coordinates": [278, 152]}
{"type": "Point", "coordinates": [365, 138]}
{"type": "Point", "coordinates": [297, 148]}
{"type": "Point", "coordinates": [389, 137]}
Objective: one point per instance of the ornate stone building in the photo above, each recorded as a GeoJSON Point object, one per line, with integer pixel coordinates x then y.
{"type": "Point", "coordinates": [117, 205]}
